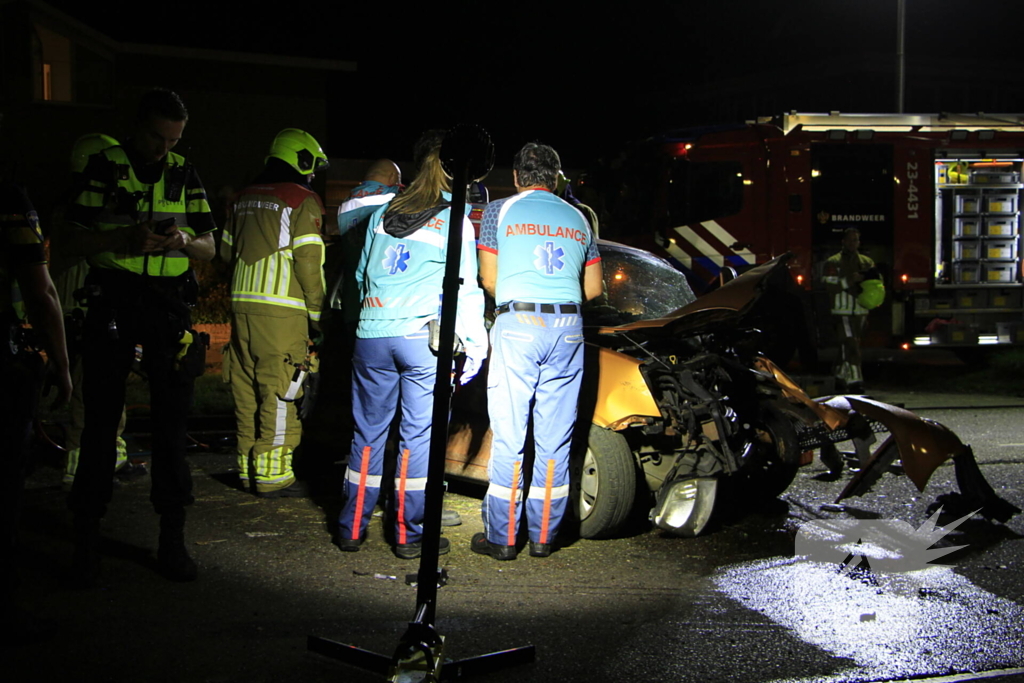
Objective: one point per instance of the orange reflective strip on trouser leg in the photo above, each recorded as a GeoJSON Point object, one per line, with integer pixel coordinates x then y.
{"type": "Point", "coordinates": [546, 515]}
{"type": "Point", "coordinates": [512, 504]}
{"type": "Point", "coordinates": [360, 495]}
{"type": "Point", "coordinates": [400, 496]}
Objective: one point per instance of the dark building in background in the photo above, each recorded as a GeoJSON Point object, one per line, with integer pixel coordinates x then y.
{"type": "Point", "coordinates": [62, 78]}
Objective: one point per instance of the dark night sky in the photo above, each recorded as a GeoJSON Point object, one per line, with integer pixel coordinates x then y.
{"type": "Point", "coordinates": [569, 74]}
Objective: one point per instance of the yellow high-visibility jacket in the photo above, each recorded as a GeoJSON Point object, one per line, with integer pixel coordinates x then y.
{"type": "Point", "coordinates": [273, 240]}
{"type": "Point", "coordinates": [112, 196]}
{"type": "Point", "coordinates": [842, 290]}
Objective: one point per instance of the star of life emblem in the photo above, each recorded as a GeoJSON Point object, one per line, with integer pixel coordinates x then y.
{"type": "Point", "coordinates": [395, 259]}
{"type": "Point", "coordinates": [549, 258]}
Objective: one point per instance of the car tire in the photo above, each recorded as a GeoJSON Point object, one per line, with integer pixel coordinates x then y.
{"type": "Point", "coordinates": [772, 465]}
{"type": "Point", "coordinates": [603, 483]}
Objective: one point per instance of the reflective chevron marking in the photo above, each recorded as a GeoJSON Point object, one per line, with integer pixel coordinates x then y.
{"type": "Point", "coordinates": [722, 235]}
{"type": "Point", "coordinates": [700, 244]}
{"type": "Point", "coordinates": [710, 257]}
{"type": "Point", "coordinates": [679, 255]}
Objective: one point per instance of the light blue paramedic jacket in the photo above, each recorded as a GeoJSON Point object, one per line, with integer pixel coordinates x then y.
{"type": "Point", "coordinates": [401, 280]}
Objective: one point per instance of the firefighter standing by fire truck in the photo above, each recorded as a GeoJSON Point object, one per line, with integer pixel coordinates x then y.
{"type": "Point", "coordinates": [273, 240]}
{"type": "Point", "coordinates": [138, 228]}
{"type": "Point", "coordinates": [843, 275]}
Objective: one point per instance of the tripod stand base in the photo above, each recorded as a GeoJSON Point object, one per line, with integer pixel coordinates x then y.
{"type": "Point", "coordinates": [349, 654]}
{"type": "Point", "coordinates": [485, 664]}
{"type": "Point", "coordinates": [450, 671]}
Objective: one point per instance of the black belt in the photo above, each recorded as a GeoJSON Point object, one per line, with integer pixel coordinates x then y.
{"type": "Point", "coordinates": [125, 289]}
{"type": "Point", "coordinates": [538, 308]}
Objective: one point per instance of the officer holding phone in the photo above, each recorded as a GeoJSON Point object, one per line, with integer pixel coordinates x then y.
{"type": "Point", "coordinates": [140, 215]}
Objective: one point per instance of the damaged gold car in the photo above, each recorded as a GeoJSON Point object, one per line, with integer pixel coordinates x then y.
{"type": "Point", "coordinates": [681, 410]}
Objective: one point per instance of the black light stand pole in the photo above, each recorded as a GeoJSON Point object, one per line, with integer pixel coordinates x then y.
{"type": "Point", "coordinates": [466, 153]}
{"type": "Point", "coordinates": [455, 159]}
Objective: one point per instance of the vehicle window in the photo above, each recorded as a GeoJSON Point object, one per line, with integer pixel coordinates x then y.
{"type": "Point", "coordinates": [704, 190]}
{"type": "Point", "coordinates": [638, 286]}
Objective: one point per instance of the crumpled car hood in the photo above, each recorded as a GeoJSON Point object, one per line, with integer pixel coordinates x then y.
{"type": "Point", "coordinates": [729, 302]}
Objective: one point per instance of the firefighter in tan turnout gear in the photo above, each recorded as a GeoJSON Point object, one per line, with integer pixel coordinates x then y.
{"type": "Point", "coordinates": [844, 273]}
{"type": "Point", "coordinates": [273, 241]}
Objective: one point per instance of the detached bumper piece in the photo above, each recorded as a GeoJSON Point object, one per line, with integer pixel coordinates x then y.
{"type": "Point", "coordinates": [922, 446]}
{"type": "Point", "coordinates": [976, 494]}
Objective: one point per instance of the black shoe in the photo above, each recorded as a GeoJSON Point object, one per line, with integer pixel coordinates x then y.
{"type": "Point", "coordinates": [131, 471]}
{"type": "Point", "coordinates": [481, 545]}
{"type": "Point", "coordinates": [350, 545]}
{"type": "Point", "coordinates": [540, 549]}
{"type": "Point", "coordinates": [296, 489]}
{"type": "Point", "coordinates": [85, 563]}
{"type": "Point", "coordinates": [172, 557]}
{"type": "Point", "coordinates": [175, 564]}
{"type": "Point", "coordinates": [450, 518]}
{"type": "Point", "coordinates": [410, 551]}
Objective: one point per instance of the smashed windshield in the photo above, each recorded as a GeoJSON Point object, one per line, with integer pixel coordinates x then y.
{"type": "Point", "coordinates": [638, 286]}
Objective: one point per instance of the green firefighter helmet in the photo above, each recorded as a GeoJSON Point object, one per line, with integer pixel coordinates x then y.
{"type": "Point", "coordinates": [872, 294]}
{"type": "Point", "coordinates": [300, 150]}
{"type": "Point", "coordinates": [86, 146]}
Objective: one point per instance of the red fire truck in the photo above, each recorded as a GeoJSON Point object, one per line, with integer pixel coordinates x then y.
{"type": "Point", "coordinates": [936, 198]}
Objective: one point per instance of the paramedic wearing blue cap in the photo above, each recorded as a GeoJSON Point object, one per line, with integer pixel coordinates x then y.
{"type": "Point", "coordinates": [539, 259]}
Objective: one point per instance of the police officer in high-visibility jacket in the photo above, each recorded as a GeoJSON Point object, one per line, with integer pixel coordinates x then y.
{"type": "Point", "coordinates": [273, 241]}
{"type": "Point", "coordinates": [539, 259]}
{"type": "Point", "coordinates": [141, 215]}
{"type": "Point", "coordinates": [68, 272]}
{"type": "Point", "coordinates": [843, 275]}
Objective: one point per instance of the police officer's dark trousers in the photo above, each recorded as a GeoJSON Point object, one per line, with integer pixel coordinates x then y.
{"type": "Point", "coordinates": [131, 310]}
{"type": "Point", "coordinates": [20, 375]}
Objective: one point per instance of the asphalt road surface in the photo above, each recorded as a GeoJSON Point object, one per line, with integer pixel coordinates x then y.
{"type": "Point", "coordinates": [736, 604]}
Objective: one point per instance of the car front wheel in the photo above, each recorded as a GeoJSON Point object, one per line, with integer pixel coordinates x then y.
{"type": "Point", "coordinates": [604, 483]}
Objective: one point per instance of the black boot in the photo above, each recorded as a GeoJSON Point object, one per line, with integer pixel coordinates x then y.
{"type": "Point", "coordinates": [85, 563]}
{"type": "Point", "coordinates": [172, 557]}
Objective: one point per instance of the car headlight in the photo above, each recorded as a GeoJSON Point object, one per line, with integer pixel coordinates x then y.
{"type": "Point", "coordinates": [684, 506]}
